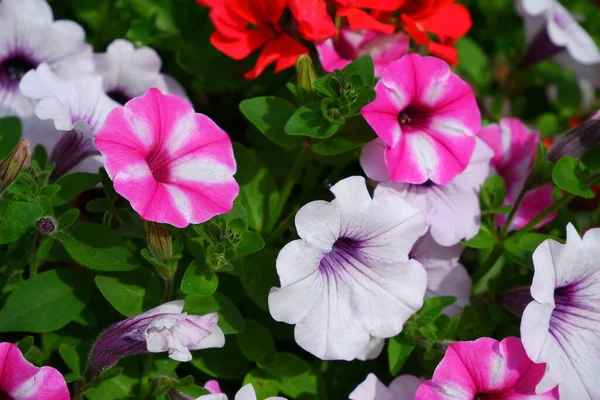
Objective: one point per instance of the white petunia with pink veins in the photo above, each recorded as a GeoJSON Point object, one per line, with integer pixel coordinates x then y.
{"type": "Point", "coordinates": [174, 166]}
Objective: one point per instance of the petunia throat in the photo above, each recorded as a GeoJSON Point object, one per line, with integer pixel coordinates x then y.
{"type": "Point", "coordinates": [13, 68]}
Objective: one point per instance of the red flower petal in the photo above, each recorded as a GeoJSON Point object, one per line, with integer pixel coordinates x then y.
{"type": "Point", "coordinates": [446, 53]}
{"type": "Point", "coordinates": [313, 20]}
{"type": "Point", "coordinates": [359, 19]}
{"type": "Point", "coordinates": [415, 32]}
{"type": "Point", "coordinates": [259, 12]}
{"type": "Point", "coordinates": [452, 20]}
{"type": "Point", "coordinates": [284, 50]}
{"type": "Point", "coordinates": [382, 5]}
{"type": "Point", "coordinates": [241, 46]}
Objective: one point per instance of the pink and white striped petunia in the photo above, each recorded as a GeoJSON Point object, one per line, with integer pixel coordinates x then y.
{"type": "Point", "coordinates": [401, 388]}
{"type": "Point", "coordinates": [337, 52]}
{"type": "Point", "coordinates": [515, 147]}
{"type": "Point", "coordinates": [173, 165]}
{"type": "Point", "coordinates": [561, 326]}
{"type": "Point", "coordinates": [245, 393]}
{"type": "Point", "coordinates": [486, 369]}
{"type": "Point", "coordinates": [427, 116]}
{"type": "Point", "coordinates": [21, 380]}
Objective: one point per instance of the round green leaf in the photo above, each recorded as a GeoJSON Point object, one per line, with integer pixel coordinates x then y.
{"type": "Point", "coordinates": [255, 341]}
{"type": "Point", "coordinates": [568, 176]}
{"type": "Point", "coordinates": [131, 293]}
{"type": "Point", "coordinates": [225, 363]}
{"type": "Point", "coordinates": [16, 218]}
{"type": "Point", "coordinates": [199, 280]}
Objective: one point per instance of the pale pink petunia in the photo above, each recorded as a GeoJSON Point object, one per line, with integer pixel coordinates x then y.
{"type": "Point", "coordinates": [486, 369]}
{"type": "Point", "coordinates": [372, 350]}
{"type": "Point", "coordinates": [515, 147]}
{"type": "Point", "coordinates": [403, 387]}
{"type": "Point", "coordinates": [245, 393]}
{"type": "Point", "coordinates": [446, 276]}
{"type": "Point", "coordinates": [173, 165]}
{"type": "Point", "coordinates": [453, 211]}
{"type": "Point", "coordinates": [427, 116]}
{"type": "Point", "coordinates": [561, 326]}
{"type": "Point", "coordinates": [349, 278]}
{"type": "Point", "coordinates": [337, 52]}
{"type": "Point", "coordinates": [21, 380]}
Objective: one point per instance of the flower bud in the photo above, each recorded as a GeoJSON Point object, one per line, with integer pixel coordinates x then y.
{"type": "Point", "coordinates": [306, 76]}
{"type": "Point", "coordinates": [18, 160]}
{"type": "Point", "coordinates": [46, 225]}
{"type": "Point", "coordinates": [577, 140]}
{"type": "Point", "coordinates": [160, 243]}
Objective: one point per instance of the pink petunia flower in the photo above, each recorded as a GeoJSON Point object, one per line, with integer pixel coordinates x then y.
{"type": "Point", "coordinates": [21, 380]}
{"type": "Point", "coordinates": [336, 53]}
{"type": "Point", "coordinates": [561, 326]}
{"type": "Point", "coordinates": [173, 165]}
{"type": "Point", "coordinates": [401, 388]}
{"type": "Point", "coordinates": [515, 147]}
{"type": "Point", "coordinates": [485, 369]}
{"type": "Point", "coordinates": [245, 393]}
{"type": "Point", "coordinates": [452, 210]}
{"type": "Point", "coordinates": [427, 116]}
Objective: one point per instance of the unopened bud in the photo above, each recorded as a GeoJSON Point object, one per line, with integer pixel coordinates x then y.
{"type": "Point", "coordinates": [18, 160]}
{"type": "Point", "coordinates": [577, 140]}
{"type": "Point", "coordinates": [46, 225]}
{"type": "Point", "coordinates": [306, 76]}
{"type": "Point", "coordinates": [160, 243]}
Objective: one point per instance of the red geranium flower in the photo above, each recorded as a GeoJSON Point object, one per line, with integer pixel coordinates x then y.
{"type": "Point", "coordinates": [243, 26]}
{"type": "Point", "coordinates": [359, 19]}
{"type": "Point", "coordinates": [444, 18]}
{"type": "Point", "coordinates": [314, 23]}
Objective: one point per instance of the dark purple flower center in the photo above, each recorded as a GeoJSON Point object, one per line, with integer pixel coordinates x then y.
{"type": "Point", "coordinates": [4, 395]}
{"type": "Point", "coordinates": [344, 250]}
{"type": "Point", "coordinates": [13, 68]}
{"type": "Point", "coordinates": [72, 148]}
{"type": "Point", "coordinates": [119, 96]}
{"type": "Point", "coordinates": [415, 115]}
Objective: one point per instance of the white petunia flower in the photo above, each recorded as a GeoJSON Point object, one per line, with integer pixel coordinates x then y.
{"type": "Point", "coordinates": [403, 387]}
{"type": "Point", "coordinates": [349, 277]}
{"type": "Point", "coordinates": [29, 36]}
{"type": "Point", "coordinates": [561, 326]}
{"type": "Point", "coordinates": [128, 72]}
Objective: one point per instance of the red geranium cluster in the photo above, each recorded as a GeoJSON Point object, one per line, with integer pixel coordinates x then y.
{"type": "Point", "coordinates": [243, 26]}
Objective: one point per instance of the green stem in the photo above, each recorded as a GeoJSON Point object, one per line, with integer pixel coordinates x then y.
{"type": "Point", "coordinates": [145, 378]}
{"type": "Point", "coordinates": [78, 388]}
{"type": "Point", "coordinates": [512, 212]}
{"type": "Point", "coordinates": [280, 229]}
{"type": "Point", "coordinates": [168, 293]}
{"type": "Point", "coordinates": [563, 201]}
{"type": "Point", "coordinates": [34, 265]}
{"type": "Point", "coordinates": [288, 185]}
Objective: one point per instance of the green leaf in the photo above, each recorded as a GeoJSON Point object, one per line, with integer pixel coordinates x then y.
{"type": "Point", "coordinates": [363, 67]}
{"type": "Point", "coordinates": [119, 387]}
{"type": "Point", "coordinates": [68, 218]}
{"type": "Point", "coordinates": [46, 302]}
{"type": "Point", "coordinates": [73, 184]}
{"type": "Point", "coordinates": [475, 64]}
{"type": "Point", "coordinates": [230, 319]}
{"type": "Point", "coordinates": [225, 363]}
{"type": "Point", "coordinates": [355, 133]}
{"type": "Point", "coordinates": [309, 120]}
{"type": "Point", "coordinates": [284, 365]}
{"type": "Point", "coordinates": [300, 387]}
{"type": "Point", "coordinates": [269, 115]}
{"type": "Point", "coordinates": [131, 293]}
{"type": "Point", "coordinates": [10, 133]}
{"type": "Point", "coordinates": [258, 190]}
{"type": "Point", "coordinates": [100, 205]}
{"type": "Point", "coordinates": [16, 218]}
{"type": "Point", "coordinates": [259, 276]}
{"type": "Point", "coordinates": [399, 349]}
{"type": "Point", "coordinates": [198, 279]}
{"type": "Point", "coordinates": [255, 341]}
{"type": "Point", "coordinates": [265, 385]}
{"type": "Point", "coordinates": [548, 124]}
{"type": "Point", "coordinates": [492, 192]}
{"type": "Point", "coordinates": [519, 247]}
{"type": "Point", "coordinates": [70, 357]}
{"type": "Point", "coordinates": [99, 247]}
{"type": "Point", "coordinates": [250, 242]}
{"type": "Point", "coordinates": [433, 307]}
{"type": "Point", "coordinates": [568, 176]}
{"type": "Point", "coordinates": [483, 239]}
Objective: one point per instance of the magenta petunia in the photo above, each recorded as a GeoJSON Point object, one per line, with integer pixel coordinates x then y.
{"type": "Point", "coordinates": [21, 380]}
{"type": "Point", "coordinates": [336, 53]}
{"type": "Point", "coordinates": [427, 116]}
{"type": "Point", "coordinates": [175, 166]}
{"type": "Point", "coordinates": [486, 369]}
{"type": "Point", "coordinates": [515, 147]}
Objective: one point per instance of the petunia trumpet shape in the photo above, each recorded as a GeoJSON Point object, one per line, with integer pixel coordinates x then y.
{"type": "Point", "coordinates": [349, 278]}
{"type": "Point", "coordinates": [162, 329]}
{"type": "Point", "coordinates": [20, 380]}
{"type": "Point", "coordinates": [29, 37]}
{"type": "Point", "coordinates": [336, 53]}
{"type": "Point", "coordinates": [561, 326]}
{"type": "Point", "coordinates": [453, 211]}
{"type": "Point", "coordinates": [173, 165]}
{"type": "Point", "coordinates": [243, 26]}
{"type": "Point", "coordinates": [427, 116]}
{"type": "Point", "coordinates": [552, 31]}
{"type": "Point", "coordinates": [486, 369]}
{"type": "Point", "coordinates": [128, 72]}
{"type": "Point", "coordinates": [245, 393]}
{"type": "Point", "coordinates": [403, 387]}
{"type": "Point", "coordinates": [515, 147]}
